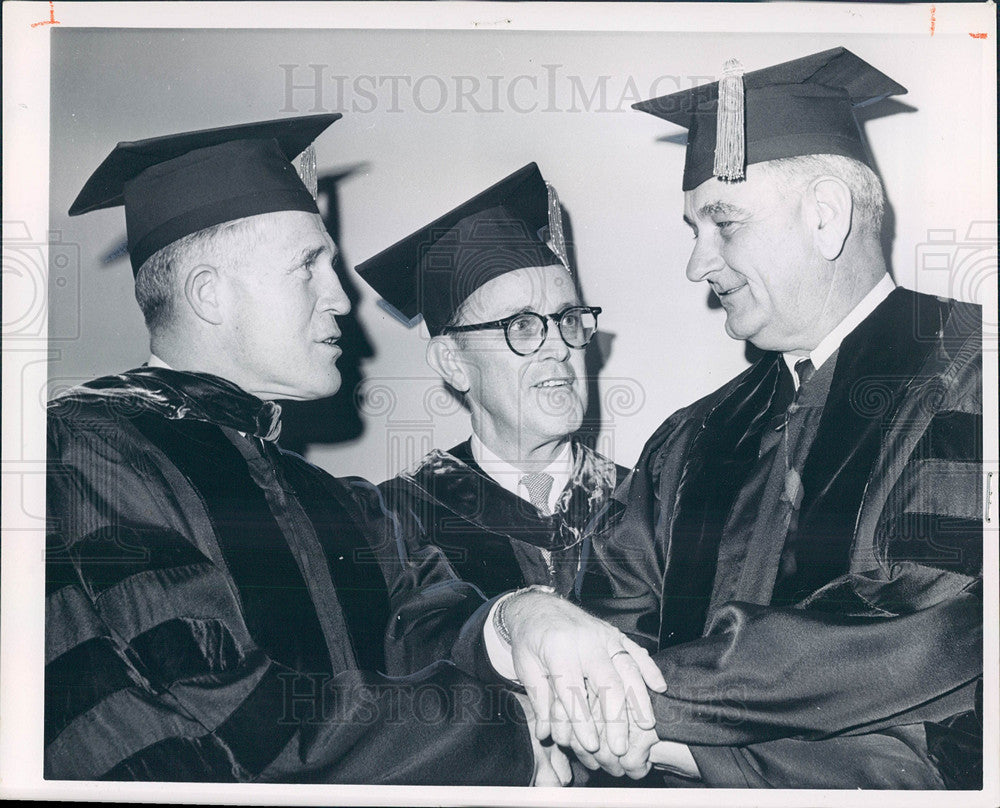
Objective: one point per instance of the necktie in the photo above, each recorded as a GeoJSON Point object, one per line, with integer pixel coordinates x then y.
{"type": "Point", "coordinates": [804, 369]}
{"type": "Point", "coordinates": [784, 392]}
{"type": "Point", "coordinates": [538, 485]}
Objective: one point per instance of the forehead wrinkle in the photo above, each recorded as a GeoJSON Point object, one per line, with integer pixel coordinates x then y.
{"type": "Point", "coordinates": [567, 302]}
{"type": "Point", "coordinates": [557, 303]}
{"type": "Point", "coordinates": [481, 314]}
{"type": "Point", "coordinates": [512, 310]}
{"type": "Point", "coordinates": [553, 309]}
{"type": "Point", "coordinates": [508, 295]}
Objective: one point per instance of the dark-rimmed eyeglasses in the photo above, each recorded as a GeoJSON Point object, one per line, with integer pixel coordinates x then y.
{"type": "Point", "coordinates": [526, 331]}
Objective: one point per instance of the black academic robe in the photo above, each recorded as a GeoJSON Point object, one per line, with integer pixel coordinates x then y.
{"type": "Point", "coordinates": [862, 667]}
{"type": "Point", "coordinates": [495, 539]}
{"type": "Point", "coordinates": [221, 610]}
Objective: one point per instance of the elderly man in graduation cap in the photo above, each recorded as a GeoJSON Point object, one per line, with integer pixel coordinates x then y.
{"type": "Point", "coordinates": [802, 548]}
{"type": "Point", "coordinates": [516, 503]}
{"type": "Point", "coordinates": [218, 609]}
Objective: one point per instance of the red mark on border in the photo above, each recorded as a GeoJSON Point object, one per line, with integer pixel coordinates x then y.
{"type": "Point", "coordinates": [933, 18]}
{"type": "Point", "coordinates": [52, 17]}
{"type": "Point", "coordinates": [978, 36]}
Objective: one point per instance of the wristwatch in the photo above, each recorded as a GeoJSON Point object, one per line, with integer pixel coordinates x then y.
{"type": "Point", "coordinates": [499, 614]}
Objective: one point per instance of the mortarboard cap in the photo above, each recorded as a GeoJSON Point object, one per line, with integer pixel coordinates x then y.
{"type": "Point", "coordinates": [800, 107]}
{"type": "Point", "coordinates": [431, 272]}
{"type": "Point", "coordinates": [176, 185]}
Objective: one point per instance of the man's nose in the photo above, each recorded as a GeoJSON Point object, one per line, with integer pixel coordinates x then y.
{"type": "Point", "coordinates": [705, 259]}
{"type": "Point", "coordinates": [553, 346]}
{"type": "Point", "coordinates": [332, 296]}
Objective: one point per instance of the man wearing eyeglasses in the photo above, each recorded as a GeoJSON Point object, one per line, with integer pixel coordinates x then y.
{"type": "Point", "coordinates": [515, 504]}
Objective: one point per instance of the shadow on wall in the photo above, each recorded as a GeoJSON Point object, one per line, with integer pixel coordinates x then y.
{"type": "Point", "coordinates": [889, 106]}
{"type": "Point", "coordinates": [335, 419]}
{"type": "Point", "coordinates": [597, 352]}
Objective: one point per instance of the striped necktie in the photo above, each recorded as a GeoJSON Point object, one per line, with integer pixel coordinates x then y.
{"type": "Point", "coordinates": [538, 485]}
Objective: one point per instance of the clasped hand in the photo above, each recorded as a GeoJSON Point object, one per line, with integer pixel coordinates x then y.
{"type": "Point", "coordinates": [586, 682]}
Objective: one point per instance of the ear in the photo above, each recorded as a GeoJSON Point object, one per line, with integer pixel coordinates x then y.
{"type": "Point", "coordinates": [444, 357]}
{"type": "Point", "coordinates": [201, 290]}
{"type": "Point", "coordinates": [830, 212]}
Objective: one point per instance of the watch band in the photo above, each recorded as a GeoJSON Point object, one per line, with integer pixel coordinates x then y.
{"type": "Point", "coordinates": [500, 613]}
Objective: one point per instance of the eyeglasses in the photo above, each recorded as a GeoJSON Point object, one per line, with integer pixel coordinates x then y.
{"type": "Point", "coordinates": [526, 332]}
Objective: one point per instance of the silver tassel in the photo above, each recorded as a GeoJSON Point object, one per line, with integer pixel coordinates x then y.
{"type": "Point", "coordinates": [557, 239]}
{"type": "Point", "coordinates": [306, 167]}
{"type": "Point", "coordinates": [730, 148]}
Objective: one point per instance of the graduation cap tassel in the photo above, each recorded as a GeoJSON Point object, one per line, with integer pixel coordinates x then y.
{"type": "Point", "coordinates": [557, 239]}
{"type": "Point", "coordinates": [730, 146]}
{"type": "Point", "coordinates": [307, 170]}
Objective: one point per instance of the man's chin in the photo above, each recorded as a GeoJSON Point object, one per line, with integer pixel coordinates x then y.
{"type": "Point", "coordinates": [741, 331]}
{"type": "Point", "coordinates": [306, 391]}
{"type": "Point", "coordinates": [561, 428]}
{"type": "Point", "coordinates": [325, 392]}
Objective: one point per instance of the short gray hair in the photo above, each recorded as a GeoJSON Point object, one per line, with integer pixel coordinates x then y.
{"type": "Point", "coordinates": [156, 282]}
{"type": "Point", "coordinates": [867, 192]}
{"type": "Point", "coordinates": [457, 316]}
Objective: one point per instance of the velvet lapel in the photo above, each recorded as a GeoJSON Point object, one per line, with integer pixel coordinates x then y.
{"type": "Point", "coordinates": [954, 368]}
{"type": "Point", "coordinates": [359, 584]}
{"type": "Point", "coordinates": [184, 395]}
{"type": "Point", "coordinates": [721, 456]}
{"type": "Point", "coordinates": [455, 481]}
{"type": "Point", "coordinates": [588, 505]}
{"type": "Point", "coordinates": [876, 363]}
{"type": "Point", "coordinates": [181, 413]}
{"type": "Point", "coordinates": [272, 590]}
{"type": "Point", "coordinates": [459, 498]}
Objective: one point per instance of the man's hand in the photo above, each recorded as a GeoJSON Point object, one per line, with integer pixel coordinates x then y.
{"type": "Point", "coordinates": [598, 676]}
{"type": "Point", "coordinates": [635, 763]}
{"type": "Point", "coordinates": [551, 764]}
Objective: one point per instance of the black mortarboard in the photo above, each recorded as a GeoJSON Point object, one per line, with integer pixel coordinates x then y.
{"type": "Point", "coordinates": [432, 271]}
{"type": "Point", "coordinates": [800, 107]}
{"type": "Point", "coordinates": [176, 185]}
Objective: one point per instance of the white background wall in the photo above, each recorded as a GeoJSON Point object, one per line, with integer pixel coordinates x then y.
{"type": "Point", "coordinates": [619, 183]}
{"type": "Point", "coordinates": [420, 153]}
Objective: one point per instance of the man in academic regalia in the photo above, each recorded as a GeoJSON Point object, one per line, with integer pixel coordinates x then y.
{"type": "Point", "coordinates": [218, 609]}
{"type": "Point", "coordinates": [517, 503]}
{"type": "Point", "coordinates": [803, 547]}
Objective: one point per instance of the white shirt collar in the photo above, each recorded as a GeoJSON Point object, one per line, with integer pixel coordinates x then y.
{"type": "Point", "coordinates": [509, 477]}
{"type": "Point", "coordinates": [831, 342]}
{"type": "Point", "coordinates": [155, 362]}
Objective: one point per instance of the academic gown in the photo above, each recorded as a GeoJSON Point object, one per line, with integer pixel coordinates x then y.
{"type": "Point", "coordinates": [495, 539]}
{"type": "Point", "coordinates": [221, 610]}
{"type": "Point", "coordinates": [840, 645]}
